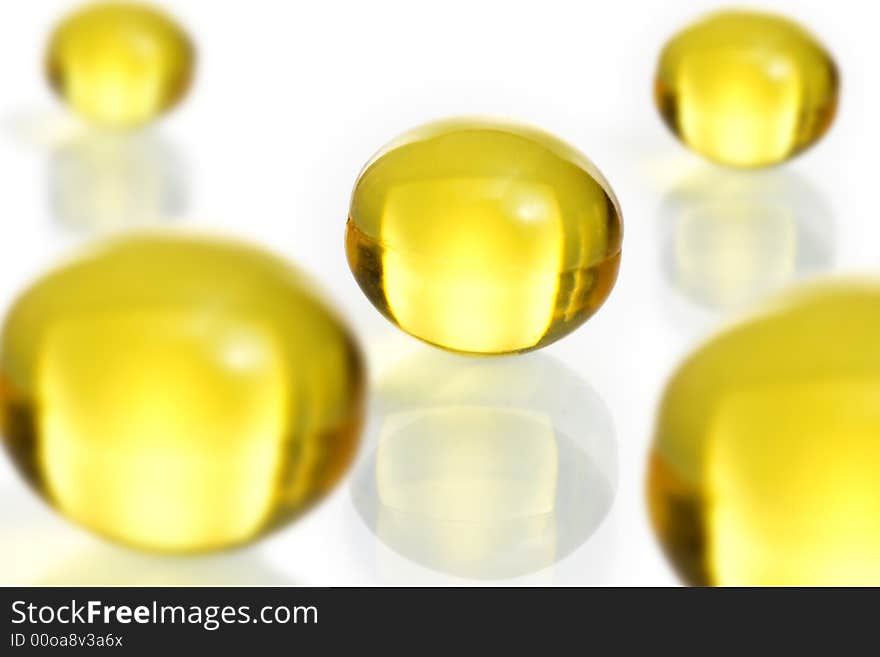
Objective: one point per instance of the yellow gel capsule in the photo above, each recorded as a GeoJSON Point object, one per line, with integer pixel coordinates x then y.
{"type": "Point", "coordinates": [119, 64]}
{"type": "Point", "coordinates": [178, 393]}
{"type": "Point", "coordinates": [745, 88]}
{"type": "Point", "coordinates": [482, 236]}
{"type": "Point", "coordinates": [766, 462]}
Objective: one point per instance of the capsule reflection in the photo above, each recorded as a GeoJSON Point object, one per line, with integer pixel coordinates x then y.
{"type": "Point", "coordinates": [485, 469]}
{"type": "Point", "coordinates": [730, 237]}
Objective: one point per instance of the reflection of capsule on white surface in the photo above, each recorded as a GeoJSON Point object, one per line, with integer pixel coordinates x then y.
{"type": "Point", "coordinates": [106, 180]}
{"type": "Point", "coordinates": [485, 468]}
{"type": "Point", "coordinates": [730, 237]}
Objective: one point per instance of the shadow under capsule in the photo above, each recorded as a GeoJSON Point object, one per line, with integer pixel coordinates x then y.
{"type": "Point", "coordinates": [101, 180]}
{"type": "Point", "coordinates": [729, 237]}
{"type": "Point", "coordinates": [485, 468]}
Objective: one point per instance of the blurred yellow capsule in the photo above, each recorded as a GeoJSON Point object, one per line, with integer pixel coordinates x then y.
{"type": "Point", "coordinates": [766, 461]}
{"type": "Point", "coordinates": [120, 64]}
{"type": "Point", "coordinates": [746, 88]}
{"type": "Point", "coordinates": [178, 393]}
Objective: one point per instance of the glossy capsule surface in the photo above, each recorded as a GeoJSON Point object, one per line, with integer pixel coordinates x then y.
{"type": "Point", "coordinates": [483, 236]}
{"type": "Point", "coordinates": [119, 64]}
{"type": "Point", "coordinates": [766, 462]}
{"type": "Point", "coordinates": [746, 88]}
{"type": "Point", "coordinates": [178, 393]}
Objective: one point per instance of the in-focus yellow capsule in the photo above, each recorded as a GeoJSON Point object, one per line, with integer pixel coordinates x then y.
{"type": "Point", "coordinates": [483, 236]}
{"type": "Point", "coordinates": [766, 459]}
{"type": "Point", "coordinates": [746, 88]}
{"type": "Point", "coordinates": [178, 393]}
{"type": "Point", "coordinates": [118, 63]}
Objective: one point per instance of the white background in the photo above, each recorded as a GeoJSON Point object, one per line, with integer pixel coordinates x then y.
{"type": "Point", "coordinates": [289, 101]}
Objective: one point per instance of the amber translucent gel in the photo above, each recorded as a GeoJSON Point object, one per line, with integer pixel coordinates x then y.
{"type": "Point", "coordinates": [746, 88]}
{"type": "Point", "coordinates": [178, 393]}
{"type": "Point", "coordinates": [766, 461]}
{"type": "Point", "coordinates": [482, 236]}
{"type": "Point", "coordinates": [119, 63]}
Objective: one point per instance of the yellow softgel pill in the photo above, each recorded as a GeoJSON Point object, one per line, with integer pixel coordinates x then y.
{"type": "Point", "coordinates": [746, 88]}
{"type": "Point", "coordinates": [483, 236]}
{"type": "Point", "coordinates": [118, 63]}
{"type": "Point", "coordinates": [766, 461]}
{"type": "Point", "coordinates": [178, 393]}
